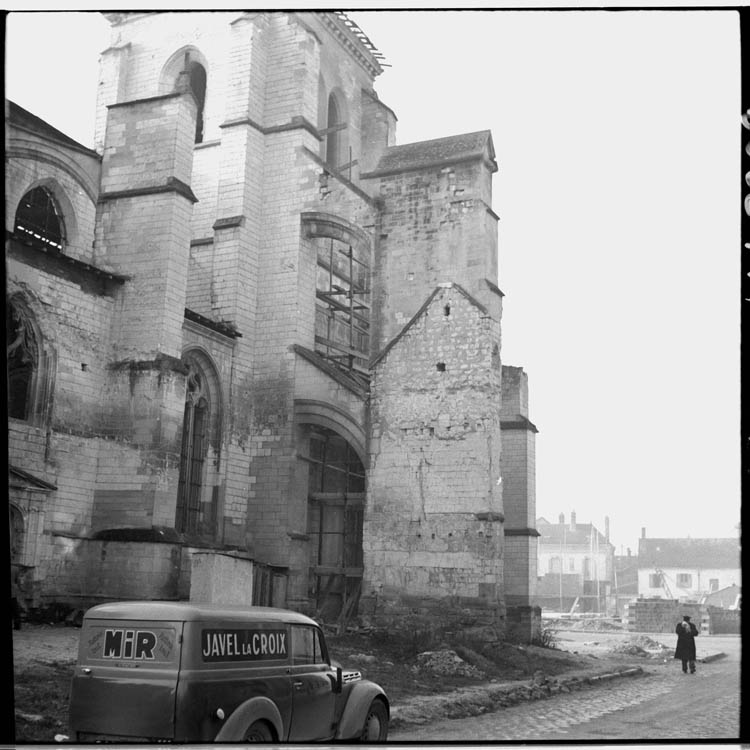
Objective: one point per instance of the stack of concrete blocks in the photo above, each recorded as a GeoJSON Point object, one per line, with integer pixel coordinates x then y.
{"type": "Point", "coordinates": [221, 578]}
{"type": "Point", "coordinates": [663, 615]}
{"type": "Point", "coordinates": [724, 620]}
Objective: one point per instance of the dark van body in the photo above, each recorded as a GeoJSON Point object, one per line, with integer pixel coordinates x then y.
{"type": "Point", "coordinates": [150, 671]}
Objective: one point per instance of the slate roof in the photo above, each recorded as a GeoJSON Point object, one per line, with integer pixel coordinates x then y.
{"type": "Point", "coordinates": [23, 118]}
{"type": "Point", "coordinates": [437, 152]}
{"type": "Point", "coordinates": [689, 553]}
{"type": "Point", "coordinates": [725, 597]}
{"type": "Point", "coordinates": [561, 533]}
{"type": "Point", "coordinates": [24, 480]}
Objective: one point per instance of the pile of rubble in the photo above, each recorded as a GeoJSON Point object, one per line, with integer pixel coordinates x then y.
{"type": "Point", "coordinates": [594, 624]}
{"type": "Point", "coordinates": [447, 663]}
{"type": "Point", "coordinates": [639, 645]}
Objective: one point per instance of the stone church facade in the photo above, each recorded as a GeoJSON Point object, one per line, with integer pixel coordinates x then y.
{"type": "Point", "coordinates": [254, 345]}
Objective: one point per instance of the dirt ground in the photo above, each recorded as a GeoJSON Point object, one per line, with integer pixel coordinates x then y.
{"type": "Point", "coordinates": [44, 657]}
{"type": "Point", "coordinates": [43, 661]}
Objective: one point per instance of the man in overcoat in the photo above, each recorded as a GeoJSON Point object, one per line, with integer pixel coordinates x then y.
{"type": "Point", "coordinates": [686, 633]}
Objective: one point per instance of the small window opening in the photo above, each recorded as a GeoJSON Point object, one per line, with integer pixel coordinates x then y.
{"type": "Point", "coordinates": [196, 75]}
{"type": "Point", "coordinates": [447, 310]}
{"type": "Point", "coordinates": [38, 219]}
{"type": "Point", "coordinates": [441, 366]}
{"type": "Point", "coordinates": [198, 84]}
{"type": "Point", "coordinates": [17, 535]}
{"type": "Point", "coordinates": [332, 139]}
{"type": "Point", "coordinates": [22, 360]}
{"type": "Point", "coordinates": [193, 453]}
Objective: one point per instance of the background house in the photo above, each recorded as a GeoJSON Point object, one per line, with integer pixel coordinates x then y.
{"type": "Point", "coordinates": [576, 566]}
{"type": "Point", "coordinates": [686, 569]}
{"type": "Point", "coordinates": [625, 582]}
{"type": "Point", "coordinates": [729, 597]}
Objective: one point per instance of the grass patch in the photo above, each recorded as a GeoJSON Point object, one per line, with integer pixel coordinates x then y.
{"type": "Point", "coordinates": [42, 692]}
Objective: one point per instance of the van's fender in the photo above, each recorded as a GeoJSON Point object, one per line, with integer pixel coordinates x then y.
{"type": "Point", "coordinates": [255, 709]}
{"type": "Point", "coordinates": [361, 695]}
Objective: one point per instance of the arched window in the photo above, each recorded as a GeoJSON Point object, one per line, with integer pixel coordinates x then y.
{"type": "Point", "coordinates": [22, 361]}
{"type": "Point", "coordinates": [187, 67]}
{"type": "Point", "coordinates": [336, 492]}
{"type": "Point", "coordinates": [193, 452]}
{"type": "Point", "coordinates": [38, 219]}
{"type": "Point", "coordinates": [17, 534]}
{"type": "Point", "coordinates": [196, 504]}
{"type": "Point", "coordinates": [333, 137]}
{"type": "Point", "coordinates": [197, 77]}
{"type": "Point", "coordinates": [342, 311]}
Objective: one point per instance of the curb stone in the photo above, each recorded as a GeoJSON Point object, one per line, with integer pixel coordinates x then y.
{"type": "Point", "coordinates": [711, 657]}
{"type": "Point", "coordinates": [489, 697]}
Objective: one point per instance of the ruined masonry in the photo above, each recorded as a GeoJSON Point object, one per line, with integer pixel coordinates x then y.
{"type": "Point", "coordinates": [254, 345]}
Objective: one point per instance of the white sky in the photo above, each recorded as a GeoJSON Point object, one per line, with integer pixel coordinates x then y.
{"type": "Point", "coordinates": [618, 139]}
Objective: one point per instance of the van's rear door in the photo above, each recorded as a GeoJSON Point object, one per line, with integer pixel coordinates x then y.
{"type": "Point", "coordinates": [125, 681]}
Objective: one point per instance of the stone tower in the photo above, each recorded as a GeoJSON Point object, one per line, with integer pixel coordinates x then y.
{"type": "Point", "coordinates": [434, 517]}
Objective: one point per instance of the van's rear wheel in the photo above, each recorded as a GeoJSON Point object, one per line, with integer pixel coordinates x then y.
{"type": "Point", "coordinates": [375, 728]}
{"type": "Point", "coordinates": [259, 731]}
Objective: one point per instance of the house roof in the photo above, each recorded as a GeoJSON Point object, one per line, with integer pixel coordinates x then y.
{"type": "Point", "coordinates": [725, 597]}
{"type": "Point", "coordinates": [24, 480]}
{"type": "Point", "coordinates": [23, 118]}
{"type": "Point", "coordinates": [436, 152]}
{"type": "Point", "coordinates": [562, 533]}
{"type": "Point", "coordinates": [688, 553]}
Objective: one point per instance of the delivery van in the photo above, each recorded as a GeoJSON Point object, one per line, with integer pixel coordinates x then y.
{"type": "Point", "coordinates": [183, 672]}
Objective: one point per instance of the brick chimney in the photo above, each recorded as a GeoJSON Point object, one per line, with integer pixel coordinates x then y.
{"type": "Point", "coordinates": [643, 532]}
{"type": "Point", "coordinates": [562, 519]}
{"type": "Point", "coordinates": [606, 528]}
{"type": "Point", "coordinates": [573, 520]}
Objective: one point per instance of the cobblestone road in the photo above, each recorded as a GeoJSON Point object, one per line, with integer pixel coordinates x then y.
{"type": "Point", "coordinates": [663, 704]}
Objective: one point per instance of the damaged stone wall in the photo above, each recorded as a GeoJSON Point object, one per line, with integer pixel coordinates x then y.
{"type": "Point", "coordinates": [242, 259]}
{"type": "Point", "coordinates": [436, 226]}
{"type": "Point", "coordinates": [433, 538]}
{"type": "Point", "coordinates": [71, 312]}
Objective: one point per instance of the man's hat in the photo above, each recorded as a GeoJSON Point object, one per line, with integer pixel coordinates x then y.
{"type": "Point", "coordinates": [686, 617]}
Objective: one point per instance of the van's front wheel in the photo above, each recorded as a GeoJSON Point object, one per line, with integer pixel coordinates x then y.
{"type": "Point", "coordinates": [375, 728]}
{"type": "Point", "coordinates": [259, 731]}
